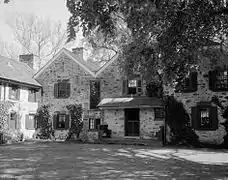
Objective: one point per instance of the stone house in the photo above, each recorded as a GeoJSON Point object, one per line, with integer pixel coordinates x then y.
{"type": "Point", "coordinates": [204, 95]}
{"type": "Point", "coordinates": [107, 97]}
{"type": "Point", "coordinates": [18, 87]}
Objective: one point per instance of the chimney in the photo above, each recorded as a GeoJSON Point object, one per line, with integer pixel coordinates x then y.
{"type": "Point", "coordinates": [78, 52]}
{"type": "Point", "coordinates": [27, 59]}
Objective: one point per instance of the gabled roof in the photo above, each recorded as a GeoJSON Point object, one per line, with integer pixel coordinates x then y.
{"type": "Point", "coordinates": [88, 67]}
{"type": "Point", "coordinates": [115, 57]}
{"type": "Point", "coordinates": [89, 64]}
{"type": "Point", "coordinates": [15, 71]}
{"type": "Point", "coordinates": [130, 102]}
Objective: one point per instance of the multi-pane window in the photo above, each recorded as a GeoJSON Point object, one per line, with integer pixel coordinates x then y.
{"type": "Point", "coordinates": [94, 123]}
{"type": "Point", "coordinates": [94, 93]}
{"type": "Point", "coordinates": [159, 113]}
{"type": "Point", "coordinates": [30, 121]}
{"type": "Point", "coordinates": [218, 80]}
{"type": "Point", "coordinates": [14, 92]}
{"type": "Point", "coordinates": [62, 89]}
{"type": "Point", "coordinates": [32, 95]}
{"type": "Point", "coordinates": [204, 117]}
{"type": "Point", "coordinates": [61, 123]}
{"type": "Point", "coordinates": [61, 120]}
{"type": "Point", "coordinates": [132, 86]}
{"type": "Point", "coordinates": [222, 80]}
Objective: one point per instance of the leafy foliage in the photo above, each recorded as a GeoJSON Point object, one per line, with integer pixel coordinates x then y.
{"type": "Point", "coordinates": [75, 111]}
{"type": "Point", "coordinates": [44, 123]}
{"type": "Point", "coordinates": [164, 34]}
{"type": "Point", "coordinates": [4, 114]}
{"type": "Point", "coordinates": [178, 121]}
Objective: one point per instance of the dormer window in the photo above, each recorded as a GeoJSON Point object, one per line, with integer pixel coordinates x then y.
{"type": "Point", "coordinates": [218, 80]}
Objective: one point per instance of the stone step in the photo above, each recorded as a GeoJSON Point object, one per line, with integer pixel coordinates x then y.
{"type": "Point", "coordinates": [143, 142]}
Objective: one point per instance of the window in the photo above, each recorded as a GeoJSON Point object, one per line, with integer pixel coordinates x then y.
{"type": "Point", "coordinates": [218, 80]}
{"type": "Point", "coordinates": [13, 120]}
{"type": "Point", "coordinates": [61, 120]}
{"type": "Point", "coordinates": [94, 93]}
{"type": "Point", "coordinates": [32, 95]}
{"type": "Point", "coordinates": [204, 117]}
{"type": "Point", "coordinates": [14, 93]}
{"type": "Point", "coordinates": [189, 84]}
{"type": "Point", "coordinates": [62, 89]}
{"type": "Point", "coordinates": [30, 121]}
{"type": "Point", "coordinates": [94, 123]}
{"type": "Point", "coordinates": [132, 86]}
{"type": "Point", "coordinates": [159, 113]}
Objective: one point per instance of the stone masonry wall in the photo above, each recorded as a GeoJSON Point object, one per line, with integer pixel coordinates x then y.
{"type": "Point", "coordinates": [204, 94]}
{"type": "Point", "coordinates": [112, 80]}
{"type": "Point", "coordinates": [149, 126]}
{"type": "Point", "coordinates": [66, 68]}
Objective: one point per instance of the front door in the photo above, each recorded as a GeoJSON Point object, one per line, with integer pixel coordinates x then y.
{"type": "Point", "coordinates": [132, 122]}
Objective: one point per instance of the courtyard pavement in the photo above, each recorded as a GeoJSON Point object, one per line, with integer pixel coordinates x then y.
{"type": "Point", "coordinates": [98, 161]}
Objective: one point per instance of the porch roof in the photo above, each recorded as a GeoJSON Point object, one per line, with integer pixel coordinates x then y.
{"type": "Point", "coordinates": [129, 102]}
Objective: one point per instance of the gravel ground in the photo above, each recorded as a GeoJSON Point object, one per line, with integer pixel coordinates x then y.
{"type": "Point", "coordinates": [99, 161]}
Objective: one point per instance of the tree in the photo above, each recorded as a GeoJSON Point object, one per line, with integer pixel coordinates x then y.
{"type": "Point", "coordinates": [37, 36]}
{"type": "Point", "coordinates": [164, 34]}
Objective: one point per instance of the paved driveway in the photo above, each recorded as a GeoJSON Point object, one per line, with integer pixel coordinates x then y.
{"type": "Point", "coordinates": [95, 161]}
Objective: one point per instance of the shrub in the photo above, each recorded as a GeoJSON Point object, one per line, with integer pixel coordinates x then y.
{"type": "Point", "coordinates": [75, 111]}
{"type": "Point", "coordinates": [178, 121]}
{"type": "Point", "coordinates": [12, 136]}
{"type": "Point", "coordinates": [44, 123]}
{"type": "Point", "coordinates": [4, 114]}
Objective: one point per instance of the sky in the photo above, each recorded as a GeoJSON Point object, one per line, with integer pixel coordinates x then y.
{"type": "Point", "coordinates": [55, 10]}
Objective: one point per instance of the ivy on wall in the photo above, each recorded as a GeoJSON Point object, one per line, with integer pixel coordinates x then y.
{"type": "Point", "coordinates": [75, 111]}
{"type": "Point", "coordinates": [44, 123]}
{"type": "Point", "coordinates": [4, 114]}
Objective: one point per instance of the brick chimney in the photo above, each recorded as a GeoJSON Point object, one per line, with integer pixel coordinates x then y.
{"type": "Point", "coordinates": [27, 59]}
{"type": "Point", "coordinates": [78, 52]}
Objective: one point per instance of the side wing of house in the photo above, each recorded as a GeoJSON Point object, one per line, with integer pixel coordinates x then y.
{"type": "Point", "coordinates": [125, 106]}
{"type": "Point", "coordinates": [204, 96]}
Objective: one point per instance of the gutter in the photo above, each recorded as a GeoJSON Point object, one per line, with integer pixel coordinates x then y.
{"type": "Point", "coordinates": [20, 83]}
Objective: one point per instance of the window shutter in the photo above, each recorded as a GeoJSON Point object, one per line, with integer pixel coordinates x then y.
{"type": "Point", "coordinates": [124, 87]}
{"type": "Point", "coordinates": [55, 118]}
{"type": "Point", "coordinates": [194, 115]}
{"type": "Point", "coordinates": [68, 89]}
{"type": "Point", "coordinates": [67, 122]}
{"type": "Point", "coordinates": [194, 81]}
{"type": "Point", "coordinates": [16, 121]}
{"type": "Point", "coordinates": [56, 89]}
{"type": "Point", "coordinates": [214, 118]}
{"type": "Point", "coordinates": [212, 80]}
{"type": "Point", "coordinates": [18, 94]}
{"type": "Point", "coordinates": [0, 91]}
{"type": "Point", "coordinates": [27, 126]}
{"type": "Point", "coordinates": [97, 123]}
{"type": "Point", "coordinates": [139, 86]}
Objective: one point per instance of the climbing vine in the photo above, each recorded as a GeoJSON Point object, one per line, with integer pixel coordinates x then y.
{"type": "Point", "coordinates": [4, 114]}
{"type": "Point", "coordinates": [44, 124]}
{"type": "Point", "coordinates": [75, 111]}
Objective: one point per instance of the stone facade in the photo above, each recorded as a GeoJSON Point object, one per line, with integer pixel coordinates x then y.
{"type": "Point", "coordinates": [149, 126]}
{"type": "Point", "coordinates": [111, 87]}
{"type": "Point", "coordinates": [111, 80]}
{"type": "Point", "coordinates": [204, 94]}
{"type": "Point", "coordinates": [64, 68]}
